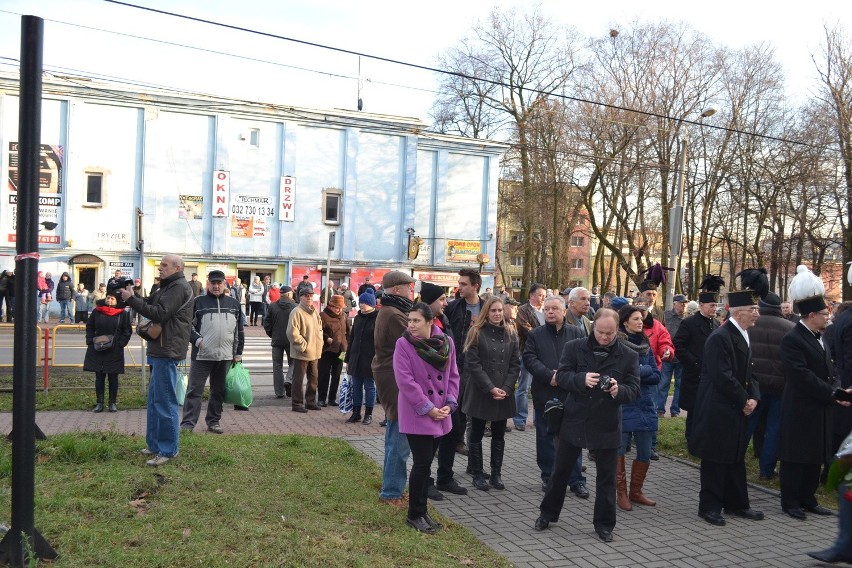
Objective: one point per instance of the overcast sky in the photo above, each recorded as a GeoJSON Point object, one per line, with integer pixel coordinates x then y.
{"type": "Point", "coordinates": [406, 31]}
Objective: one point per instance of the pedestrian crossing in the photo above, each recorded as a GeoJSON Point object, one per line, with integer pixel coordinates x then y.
{"type": "Point", "coordinates": [257, 355]}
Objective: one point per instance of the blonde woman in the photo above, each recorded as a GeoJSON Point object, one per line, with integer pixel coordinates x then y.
{"type": "Point", "coordinates": [492, 365]}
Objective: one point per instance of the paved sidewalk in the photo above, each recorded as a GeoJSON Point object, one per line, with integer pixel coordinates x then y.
{"type": "Point", "coordinates": [668, 535]}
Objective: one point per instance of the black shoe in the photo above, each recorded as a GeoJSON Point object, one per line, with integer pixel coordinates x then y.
{"type": "Point", "coordinates": [279, 396]}
{"type": "Point", "coordinates": [654, 455]}
{"type": "Point", "coordinates": [433, 494]}
{"type": "Point", "coordinates": [368, 419]}
{"type": "Point", "coordinates": [99, 407]}
{"type": "Point", "coordinates": [496, 481]}
{"type": "Point", "coordinates": [580, 491]}
{"type": "Point", "coordinates": [487, 433]}
{"type": "Point", "coordinates": [383, 423]}
{"type": "Point", "coordinates": [541, 524]}
{"type": "Point", "coordinates": [480, 483]}
{"type": "Point", "coordinates": [829, 556]}
{"type": "Point", "coordinates": [432, 522]}
{"type": "Point", "coordinates": [243, 408]}
{"type": "Point", "coordinates": [520, 427]}
{"type": "Point", "coordinates": [113, 407]}
{"type": "Point", "coordinates": [452, 487]}
{"type": "Point", "coordinates": [354, 418]}
{"type": "Point", "coordinates": [322, 403]}
{"type": "Point", "coordinates": [796, 513]}
{"type": "Point", "coordinates": [712, 517]}
{"type": "Point", "coordinates": [750, 514]}
{"type": "Point", "coordinates": [583, 469]}
{"type": "Point", "coordinates": [288, 388]}
{"type": "Point", "coordinates": [604, 535]}
{"type": "Point", "coordinates": [545, 485]}
{"type": "Point", "coordinates": [421, 524]}
{"type": "Point", "coordinates": [769, 477]}
{"type": "Point", "coordinates": [469, 471]}
{"type": "Point", "coordinates": [313, 407]}
{"type": "Point", "coordinates": [461, 448]}
{"type": "Point", "coordinates": [820, 510]}
{"type": "Point", "coordinates": [333, 403]}
{"type": "Point", "coordinates": [301, 409]}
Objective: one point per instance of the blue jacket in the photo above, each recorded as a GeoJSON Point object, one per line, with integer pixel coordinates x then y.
{"type": "Point", "coordinates": [641, 414]}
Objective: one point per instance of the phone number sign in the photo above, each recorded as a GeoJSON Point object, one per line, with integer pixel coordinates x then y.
{"type": "Point", "coordinates": [253, 205]}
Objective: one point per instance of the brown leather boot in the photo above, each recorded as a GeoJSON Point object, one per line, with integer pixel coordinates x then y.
{"type": "Point", "coordinates": [621, 486]}
{"type": "Point", "coordinates": [638, 471]}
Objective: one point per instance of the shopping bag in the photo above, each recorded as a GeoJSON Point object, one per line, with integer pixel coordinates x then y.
{"type": "Point", "coordinates": [344, 395]}
{"type": "Point", "coordinates": [238, 386]}
{"type": "Point", "coordinates": [180, 388]}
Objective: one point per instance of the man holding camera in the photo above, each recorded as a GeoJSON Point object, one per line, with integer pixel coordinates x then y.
{"type": "Point", "coordinates": [600, 374]}
{"type": "Point", "coordinates": [171, 307]}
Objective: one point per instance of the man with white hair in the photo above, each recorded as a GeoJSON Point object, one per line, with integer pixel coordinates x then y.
{"type": "Point", "coordinates": [578, 308]}
{"type": "Point", "coordinates": [727, 395]}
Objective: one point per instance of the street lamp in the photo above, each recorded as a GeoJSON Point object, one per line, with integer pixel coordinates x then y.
{"type": "Point", "coordinates": [676, 214]}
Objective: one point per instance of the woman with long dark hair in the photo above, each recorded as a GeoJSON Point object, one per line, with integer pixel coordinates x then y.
{"type": "Point", "coordinates": [107, 324]}
{"type": "Point", "coordinates": [492, 365]}
{"type": "Point", "coordinates": [424, 363]}
{"type": "Point", "coordinates": [639, 417]}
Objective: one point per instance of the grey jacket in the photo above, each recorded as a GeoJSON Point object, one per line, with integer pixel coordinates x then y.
{"type": "Point", "coordinates": [217, 324]}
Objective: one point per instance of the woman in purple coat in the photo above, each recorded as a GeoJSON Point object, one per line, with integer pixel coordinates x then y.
{"type": "Point", "coordinates": [424, 363]}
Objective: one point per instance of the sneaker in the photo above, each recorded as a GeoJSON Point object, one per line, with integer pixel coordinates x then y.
{"type": "Point", "coordinates": [146, 452]}
{"type": "Point", "coordinates": [215, 429]}
{"type": "Point", "coordinates": [452, 487]}
{"type": "Point", "coordinates": [368, 419]}
{"type": "Point", "coordinates": [157, 461]}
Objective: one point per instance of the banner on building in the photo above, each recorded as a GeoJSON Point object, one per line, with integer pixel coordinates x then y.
{"type": "Point", "coordinates": [253, 205]}
{"type": "Point", "coordinates": [50, 195]}
{"type": "Point", "coordinates": [463, 251]}
{"type": "Point", "coordinates": [190, 207]}
{"type": "Point", "coordinates": [128, 269]}
{"type": "Point", "coordinates": [221, 192]}
{"type": "Point", "coordinates": [287, 205]}
{"type": "Point", "coordinates": [242, 226]}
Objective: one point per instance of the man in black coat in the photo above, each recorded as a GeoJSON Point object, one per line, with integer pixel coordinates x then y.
{"type": "Point", "coordinates": [275, 326]}
{"type": "Point", "coordinates": [806, 409]}
{"type": "Point", "coordinates": [541, 358]}
{"type": "Point", "coordinates": [592, 417]}
{"type": "Point", "coordinates": [839, 343]}
{"type": "Point", "coordinates": [689, 346]}
{"type": "Point", "coordinates": [727, 395]}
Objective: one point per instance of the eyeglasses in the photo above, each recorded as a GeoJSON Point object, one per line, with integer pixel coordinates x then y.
{"type": "Point", "coordinates": [824, 314]}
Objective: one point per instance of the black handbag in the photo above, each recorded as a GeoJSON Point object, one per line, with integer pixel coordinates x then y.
{"type": "Point", "coordinates": [102, 342]}
{"type": "Point", "coordinates": [554, 409]}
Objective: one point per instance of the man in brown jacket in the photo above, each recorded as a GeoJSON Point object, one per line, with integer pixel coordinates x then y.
{"type": "Point", "coordinates": [390, 325]}
{"type": "Point", "coordinates": [530, 316]}
{"type": "Point", "coordinates": [305, 334]}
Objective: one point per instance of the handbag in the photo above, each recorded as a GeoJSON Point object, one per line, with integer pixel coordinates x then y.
{"type": "Point", "coordinates": [102, 342]}
{"type": "Point", "coordinates": [151, 330]}
{"type": "Point", "coordinates": [554, 409]}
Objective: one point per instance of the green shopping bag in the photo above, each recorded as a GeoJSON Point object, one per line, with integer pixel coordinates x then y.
{"type": "Point", "coordinates": [238, 386]}
{"type": "Point", "coordinates": [180, 388]}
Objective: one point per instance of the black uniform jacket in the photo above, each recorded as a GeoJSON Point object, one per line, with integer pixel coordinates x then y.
{"type": "Point", "coordinates": [689, 346]}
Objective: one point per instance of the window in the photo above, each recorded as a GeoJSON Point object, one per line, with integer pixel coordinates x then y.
{"type": "Point", "coordinates": [576, 283]}
{"type": "Point", "coordinates": [94, 189]}
{"type": "Point", "coordinates": [254, 137]}
{"type": "Point", "coordinates": [576, 263]}
{"type": "Point", "coordinates": [331, 202]}
{"type": "Point", "coordinates": [518, 260]}
{"type": "Point", "coordinates": [516, 282]}
{"type": "Point", "coordinates": [577, 241]}
{"type": "Point", "coordinates": [517, 237]}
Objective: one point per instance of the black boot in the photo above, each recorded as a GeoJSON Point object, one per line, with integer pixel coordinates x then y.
{"type": "Point", "coordinates": [474, 458]}
{"type": "Point", "coordinates": [368, 415]}
{"type": "Point", "coordinates": [112, 406]}
{"type": "Point", "coordinates": [99, 407]}
{"type": "Point", "coordinates": [356, 416]}
{"type": "Point", "coordinates": [497, 448]}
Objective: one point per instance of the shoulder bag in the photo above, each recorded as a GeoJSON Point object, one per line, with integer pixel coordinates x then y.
{"type": "Point", "coordinates": [151, 330]}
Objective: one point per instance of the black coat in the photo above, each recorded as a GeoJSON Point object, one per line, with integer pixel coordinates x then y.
{"type": "Point", "coordinates": [275, 322]}
{"type": "Point", "coordinates": [362, 345]}
{"type": "Point", "coordinates": [838, 339]}
{"type": "Point", "coordinates": [689, 346]}
{"type": "Point", "coordinates": [765, 339]}
{"type": "Point", "coordinates": [719, 425]}
{"type": "Point", "coordinates": [494, 361]}
{"type": "Point", "coordinates": [112, 360]}
{"type": "Point", "coordinates": [541, 359]}
{"type": "Point", "coordinates": [460, 321]}
{"type": "Point", "coordinates": [807, 405]}
{"type": "Point", "coordinates": [592, 418]}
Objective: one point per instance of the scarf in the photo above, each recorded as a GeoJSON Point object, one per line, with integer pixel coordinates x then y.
{"type": "Point", "coordinates": [648, 322]}
{"type": "Point", "coordinates": [637, 342]}
{"type": "Point", "coordinates": [399, 302]}
{"type": "Point", "coordinates": [434, 350]}
{"type": "Point", "coordinates": [601, 352]}
{"type": "Point", "coordinates": [109, 310]}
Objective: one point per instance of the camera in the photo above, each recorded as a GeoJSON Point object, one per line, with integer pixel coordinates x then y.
{"type": "Point", "coordinates": [605, 382]}
{"type": "Point", "coordinates": [116, 284]}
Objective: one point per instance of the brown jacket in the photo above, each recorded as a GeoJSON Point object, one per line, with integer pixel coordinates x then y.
{"type": "Point", "coordinates": [390, 325]}
{"type": "Point", "coordinates": [335, 327]}
{"type": "Point", "coordinates": [525, 323]}
{"type": "Point", "coordinates": [305, 334]}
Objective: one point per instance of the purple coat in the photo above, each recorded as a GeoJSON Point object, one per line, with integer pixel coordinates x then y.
{"type": "Point", "coordinates": [423, 387]}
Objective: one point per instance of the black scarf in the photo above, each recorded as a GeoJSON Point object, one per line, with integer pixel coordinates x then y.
{"type": "Point", "coordinates": [434, 350]}
{"type": "Point", "coordinates": [637, 342]}
{"type": "Point", "coordinates": [399, 302]}
{"type": "Point", "coordinates": [601, 352]}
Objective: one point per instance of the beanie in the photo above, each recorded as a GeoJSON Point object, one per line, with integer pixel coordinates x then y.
{"type": "Point", "coordinates": [430, 292]}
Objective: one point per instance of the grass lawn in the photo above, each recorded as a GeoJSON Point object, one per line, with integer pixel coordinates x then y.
{"type": "Point", "coordinates": [671, 442]}
{"type": "Point", "coordinates": [273, 500]}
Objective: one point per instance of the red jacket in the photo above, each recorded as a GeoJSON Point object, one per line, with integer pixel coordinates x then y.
{"type": "Point", "coordinates": [660, 340]}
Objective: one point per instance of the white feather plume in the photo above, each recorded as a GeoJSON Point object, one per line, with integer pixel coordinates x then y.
{"type": "Point", "coordinates": [805, 284]}
{"type": "Point", "coordinates": [849, 273]}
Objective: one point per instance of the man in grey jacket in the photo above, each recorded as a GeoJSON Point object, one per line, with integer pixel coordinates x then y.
{"type": "Point", "coordinates": [217, 343]}
{"type": "Point", "coordinates": [171, 307]}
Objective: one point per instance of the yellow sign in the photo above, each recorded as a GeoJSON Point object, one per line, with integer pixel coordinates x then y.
{"type": "Point", "coordinates": [463, 251]}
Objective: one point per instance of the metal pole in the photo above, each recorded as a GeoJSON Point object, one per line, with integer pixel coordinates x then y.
{"type": "Point", "coordinates": [331, 237]}
{"type": "Point", "coordinates": [22, 542]}
{"type": "Point", "coordinates": [676, 223]}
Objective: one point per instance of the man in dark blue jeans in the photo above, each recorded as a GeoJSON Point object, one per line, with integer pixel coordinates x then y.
{"type": "Point", "coordinates": [541, 357]}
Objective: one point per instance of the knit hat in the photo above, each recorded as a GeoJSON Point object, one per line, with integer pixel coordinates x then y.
{"type": "Point", "coordinates": [368, 297]}
{"type": "Point", "coordinates": [337, 301]}
{"type": "Point", "coordinates": [771, 300]}
{"type": "Point", "coordinates": [284, 289]}
{"type": "Point", "coordinates": [618, 302]}
{"type": "Point", "coordinates": [430, 292]}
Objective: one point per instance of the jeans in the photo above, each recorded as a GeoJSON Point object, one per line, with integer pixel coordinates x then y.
{"type": "Point", "coordinates": [669, 369]}
{"type": "Point", "coordinates": [198, 373]}
{"type": "Point", "coordinates": [43, 312]}
{"type": "Point", "coordinates": [522, 397]}
{"type": "Point", "coordinates": [643, 445]}
{"type": "Point", "coordinates": [65, 311]}
{"type": "Point", "coordinates": [363, 392]}
{"type": "Point", "coordinates": [278, 377]}
{"type": "Point", "coordinates": [545, 452]}
{"type": "Point", "coordinates": [396, 457]}
{"type": "Point", "coordinates": [162, 429]}
{"type": "Point", "coordinates": [771, 405]}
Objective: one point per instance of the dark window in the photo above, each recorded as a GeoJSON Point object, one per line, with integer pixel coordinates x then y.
{"type": "Point", "coordinates": [331, 207]}
{"type": "Point", "coordinates": [94, 188]}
